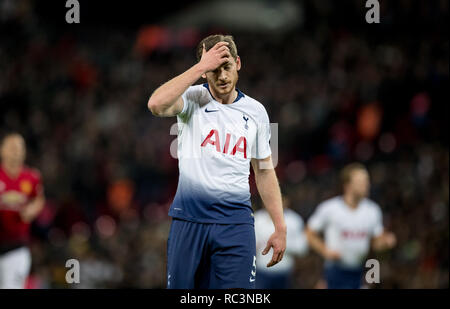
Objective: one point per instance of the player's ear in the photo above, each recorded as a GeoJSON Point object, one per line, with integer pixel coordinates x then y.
{"type": "Point", "coordinates": [204, 75]}
{"type": "Point", "coordinates": [238, 63]}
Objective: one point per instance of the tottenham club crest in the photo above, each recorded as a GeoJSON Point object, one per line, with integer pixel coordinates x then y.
{"type": "Point", "coordinates": [246, 119]}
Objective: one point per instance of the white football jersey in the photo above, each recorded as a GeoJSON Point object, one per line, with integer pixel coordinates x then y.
{"type": "Point", "coordinates": [215, 145]}
{"type": "Point", "coordinates": [296, 243]}
{"type": "Point", "coordinates": [346, 230]}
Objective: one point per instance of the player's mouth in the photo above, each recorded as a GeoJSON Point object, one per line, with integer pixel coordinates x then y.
{"type": "Point", "coordinates": [223, 86]}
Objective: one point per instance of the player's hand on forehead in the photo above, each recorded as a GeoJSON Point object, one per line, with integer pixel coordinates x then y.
{"type": "Point", "coordinates": [218, 55]}
{"type": "Point", "coordinates": [221, 48]}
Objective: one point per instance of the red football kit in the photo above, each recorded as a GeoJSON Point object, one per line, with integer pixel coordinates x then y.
{"type": "Point", "coordinates": [15, 193]}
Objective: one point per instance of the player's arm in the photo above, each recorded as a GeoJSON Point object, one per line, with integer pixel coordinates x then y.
{"type": "Point", "coordinates": [386, 240]}
{"type": "Point", "coordinates": [31, 210]}
{"type": "Point", "coordinates": [269, 190]}
{"type": "Point", "coordinates": [318, 245]}
{"type": "Point", "coordinates": [166, 101]}
{"type": "Point", "coordinates": [381, 239]}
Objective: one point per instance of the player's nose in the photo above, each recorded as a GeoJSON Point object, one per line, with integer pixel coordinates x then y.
{"type": "Point", "coordinates": [223, 75]}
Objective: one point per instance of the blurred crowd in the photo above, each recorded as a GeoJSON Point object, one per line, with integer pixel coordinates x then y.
{"type": "Point", "coordinates": [339, 90]}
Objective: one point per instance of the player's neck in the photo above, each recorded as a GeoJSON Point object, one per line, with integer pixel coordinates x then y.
{"type": "Point", "coordinates": [351, 200]}
{"type": "Point", "coordinates": [12, 170]}
{"type": "Point", "coordinates": [226, 98]}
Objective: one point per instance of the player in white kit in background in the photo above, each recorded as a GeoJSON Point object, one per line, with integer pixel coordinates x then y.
{"type": "Point", "coordinates": [280, 275]}
{"type": "Point", "coordinates": [352, 224]}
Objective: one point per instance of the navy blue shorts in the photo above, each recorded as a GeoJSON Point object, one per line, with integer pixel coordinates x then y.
{"type": "Point", "coordinates": [211, 256]}
{"type": "Point", "coordinates": [338, 277]}
{"type": "Point", "coordinates": [273, 280]}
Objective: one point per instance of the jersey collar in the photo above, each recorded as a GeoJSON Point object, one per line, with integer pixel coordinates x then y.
{"type": "Point", "coordinates": [239, 96]}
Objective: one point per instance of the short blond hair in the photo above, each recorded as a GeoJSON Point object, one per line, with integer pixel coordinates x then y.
{"type": "Point", "coordinates": [346, 173]}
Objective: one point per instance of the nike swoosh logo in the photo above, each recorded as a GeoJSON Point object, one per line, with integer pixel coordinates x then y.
{"type": "Point", "coordinates": [211, 110]}
{"type": "Point", "coordinates": [251, 280]}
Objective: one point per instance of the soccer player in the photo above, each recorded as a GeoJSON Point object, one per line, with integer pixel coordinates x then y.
{"type": "Point", "coordinates": [352, 223]}
{"type": "Point", "coordinates": [221, 131]}
{"type": "Point", "coordinates": [21, 200]}
{"type": "Point", "coordinates": [280, 275]}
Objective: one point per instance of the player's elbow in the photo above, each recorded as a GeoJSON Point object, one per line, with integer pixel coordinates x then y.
{"type": "Point", "coordinates": [154, 106]}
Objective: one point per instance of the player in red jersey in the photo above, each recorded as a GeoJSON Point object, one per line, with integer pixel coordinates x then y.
{"type": "Point", "coordinates": [21, 200]}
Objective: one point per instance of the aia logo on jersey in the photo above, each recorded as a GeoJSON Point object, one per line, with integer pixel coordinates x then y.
{"type": "Point", "coordinates": [354, 234]}
{"type": "Point", "coordinates": [213, 140]}
{"type": "Point", "coordinates": [2, 186]}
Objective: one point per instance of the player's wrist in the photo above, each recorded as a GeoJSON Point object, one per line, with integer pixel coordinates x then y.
{"type": "Point", "coordinates": [326, 253]}
{"type": "Point", "coordinates": [281, 228]}
{"type": "Point", "coordinates": [200, 68]}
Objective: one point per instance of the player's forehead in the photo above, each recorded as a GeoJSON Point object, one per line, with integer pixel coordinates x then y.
{"type": "Point", "coordinates": [230, 62]}
{"type": "Point", "coordinates": [13, 140]}
{"type": "Point", "coordinates": [227, 66]}
{"type": "Point", "coordinates": [359, 174]}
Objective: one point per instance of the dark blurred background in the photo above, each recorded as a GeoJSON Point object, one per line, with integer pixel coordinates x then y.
{"type": "Point", "coordinates": [341, 90]}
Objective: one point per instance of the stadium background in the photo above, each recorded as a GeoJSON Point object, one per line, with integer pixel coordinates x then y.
{"type": "Point", "coordinates": [339, 89]}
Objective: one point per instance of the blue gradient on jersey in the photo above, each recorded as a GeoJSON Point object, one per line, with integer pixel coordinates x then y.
{"type": "Point", "coordinates": [194, 202]}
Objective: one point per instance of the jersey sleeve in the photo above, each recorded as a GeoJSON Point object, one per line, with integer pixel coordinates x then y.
{"type": "Point", "coordinates": [378, 227]}
{"type": "Point", "coordinates": [190, 97]}
{"type": "Point", "coordinates": [319, 219]}
{"type": "Point", "coordinates": [261, 149]}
